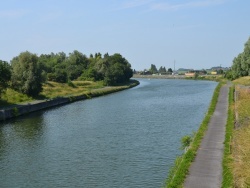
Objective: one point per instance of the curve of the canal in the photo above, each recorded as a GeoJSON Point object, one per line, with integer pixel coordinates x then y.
{"type": "Point", "coordinates": [126, 139]}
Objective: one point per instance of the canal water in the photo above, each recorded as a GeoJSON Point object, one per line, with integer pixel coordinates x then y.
{"type": "Point", "coordinates": [126, 139]}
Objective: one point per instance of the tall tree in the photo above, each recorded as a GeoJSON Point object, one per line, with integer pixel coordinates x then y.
{"type": "Point", "coordinates": [153, 69]}
{"type": "Point", "coordinates": [26, 76]}
{"type": "Point", "coordinates": [170, 70]}
{"type": "Point", "coordinates": [116, 70]}
{"type": "Point", "coordinates": [5, 75]}
{"type": "Point", "coordinates": [241, 64]}
{"type": "Point", "coordinates": [75, 64]}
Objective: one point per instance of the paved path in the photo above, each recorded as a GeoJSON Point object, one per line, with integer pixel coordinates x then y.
{"type": "Point", "coordinates": [206, 170]}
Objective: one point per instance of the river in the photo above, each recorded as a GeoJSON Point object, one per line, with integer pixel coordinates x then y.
{"type": "Point", "coordinates": [126, 139]}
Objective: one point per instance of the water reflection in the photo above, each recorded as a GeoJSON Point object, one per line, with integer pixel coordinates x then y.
{"type": "Point", "coordinates": [29, 127]}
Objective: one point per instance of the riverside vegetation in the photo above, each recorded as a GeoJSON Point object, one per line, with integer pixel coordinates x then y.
{"type": "Point", "coordinates": [240, 163]}
{"type": "Point", "coordinates": [29, 77]}
{"type": "Point", "coordinates": [236, 159]}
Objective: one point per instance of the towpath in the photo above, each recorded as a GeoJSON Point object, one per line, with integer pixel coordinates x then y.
{"type": "Point", "coordinates": [206, 170]}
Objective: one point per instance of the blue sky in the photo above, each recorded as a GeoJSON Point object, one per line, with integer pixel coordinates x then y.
{"type": "Point", "coordinates": [194, 33]}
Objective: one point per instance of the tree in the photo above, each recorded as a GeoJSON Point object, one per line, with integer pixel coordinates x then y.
{"type": "Point", "coordinates": [75, 64]}
{"type": "Point", "coordinates": [241, 64]}
{"type": "Point", "coordinates": [153, 69]}
{"type": "Point", "coordinates": [26, 75]}
{"type": "Point", "coordinates": [118, 70]}
{"type": "Point", "coordinates": [170, 70]}
{"type": "Point", "coordinates": [162, 70]}
{"type": "Point", "coordinates": [5, 75]}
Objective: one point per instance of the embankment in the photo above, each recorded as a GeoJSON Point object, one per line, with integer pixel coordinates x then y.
{"type": "Point", "coordinates": [21, 109]}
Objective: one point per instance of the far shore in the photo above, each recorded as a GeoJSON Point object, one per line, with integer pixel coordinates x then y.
{"type": "Point", "coordinates": [13, 111]}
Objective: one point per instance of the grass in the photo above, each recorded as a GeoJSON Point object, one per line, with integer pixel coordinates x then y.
{"type": "Point", "coordinates": [227, 179]}
{"type": "Point", "coordinates": [241, 136]}
{"type": "Point", "coordinates": [54, 90]}
{"type": "Point", "coordinates": [10, 97]}
{"type": "Point", "coordinates": [243, 81]}
{"type": "Point", "coordinates": [179, 171]}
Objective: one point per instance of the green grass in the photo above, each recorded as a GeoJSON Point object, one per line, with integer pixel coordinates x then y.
{"type": "Point", "coordinates": [10, 97]}
{"type": "Point", "coordinates": [179, 171]}
{"type": "Point", "coordinates": [227, 180]}
{"type": "Point", "coordinates": [54, 90]}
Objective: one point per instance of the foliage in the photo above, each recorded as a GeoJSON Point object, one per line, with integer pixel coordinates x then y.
{"type": "Point", "coordinates": [179, 171]}
{"type": "Point", "coordinates": [162, 70]}
{"type": "Point", "coordinates": [241, 64]}
{"type": "Point", "coordinates": [170, 70]}
{"type": "Point", "coordinates": [113, 69]}
{"type": "Point", "coordinates": [185, 141]}
{"type": "Point", "coordinates": [27, 71]}
{"type": "Point", "coordinates": [26, 75]}
{"type": "Point", "coordinates": [153, 69]}
{"type": "Point", "coordinates": [5, 75]}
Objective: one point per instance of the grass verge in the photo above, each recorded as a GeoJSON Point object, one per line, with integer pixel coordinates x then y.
{"type": "Point", "coordinates": [180, 169]}
{"type": "Point", "coordinates": [227, 180]}
{"type": "Point", "coordinates": [241, 135]}
{"type": "Point", "coordinates": [54, 90]}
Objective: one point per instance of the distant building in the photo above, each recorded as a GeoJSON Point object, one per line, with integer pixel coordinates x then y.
{"type": "Point", "coordinates": [189, 74]}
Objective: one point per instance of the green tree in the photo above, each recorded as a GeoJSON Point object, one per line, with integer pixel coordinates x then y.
{"type": "Point", "coordinates": [170, 70]}
{"type": "Point", "coordinates": [162, 70]}
{"type": "Point", "coordinates": [118, 70]}
{"type": "Point", "coordinates": [75, 64]}
{"type": "Point", "coordinates": [26, 75]}
{"type": "Point", "coordinates": [5, 75]}
{"type": "Point", "coordinates": [153, 69]}
{"type": "Point", "coordinates": [241, 64]}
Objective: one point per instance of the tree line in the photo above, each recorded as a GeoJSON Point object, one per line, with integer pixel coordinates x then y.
{"type": "Point", "coordinates": [27, 72]}
{"type": "Point", "coordinates": [241, 64]}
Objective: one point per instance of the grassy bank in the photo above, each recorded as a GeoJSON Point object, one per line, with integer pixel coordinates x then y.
{"type": "Point", "coordinates": [240, 164]}
{"type": "Point", "coordinates": [227, 180]}
{"type": "Point", "coordinates": [53, 90]}
{"type": "Point", "coordinates": [179, 171]}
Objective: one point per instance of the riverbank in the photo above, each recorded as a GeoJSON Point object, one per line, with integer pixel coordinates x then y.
{"type": "Point", "coordinates": [13, 111]}
{"type": "Point", "coordinates": [180, 170]}
{"type": "Point", "coordinates": [216, 78]}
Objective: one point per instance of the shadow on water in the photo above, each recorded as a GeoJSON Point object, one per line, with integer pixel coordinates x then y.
{"type": "Point", "coordinates": [28, 127]}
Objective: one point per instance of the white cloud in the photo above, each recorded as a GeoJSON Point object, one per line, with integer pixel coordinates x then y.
{"type": "Point", "coordinates": [191, 4]}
